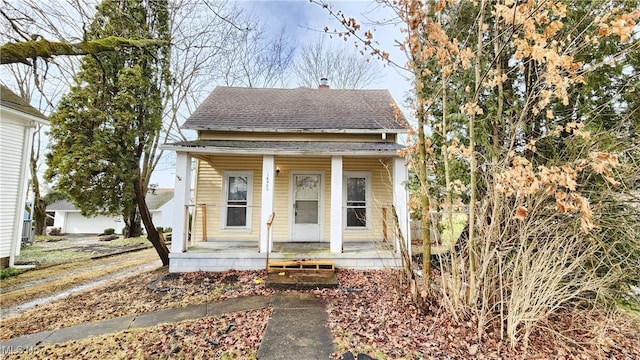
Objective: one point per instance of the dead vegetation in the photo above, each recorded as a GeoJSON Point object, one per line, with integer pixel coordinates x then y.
{"type": "Point", "coordinates": [369, 313]}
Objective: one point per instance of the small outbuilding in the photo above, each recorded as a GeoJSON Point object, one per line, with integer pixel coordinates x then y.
{"type": "Point", "coordinates": [68, 218]}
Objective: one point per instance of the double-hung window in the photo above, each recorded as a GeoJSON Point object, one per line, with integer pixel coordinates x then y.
{"type": "Point", "coordinates": [357, 194]}
{"type": "Point", "coordinates": [237, 199]}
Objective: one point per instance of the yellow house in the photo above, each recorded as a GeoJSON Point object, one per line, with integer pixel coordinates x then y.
{"type": "Point", "coordinates": [290, 174]}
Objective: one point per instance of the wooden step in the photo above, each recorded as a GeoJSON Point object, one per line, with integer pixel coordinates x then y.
{"type": "Point", "coordinates": [300, 265]}
{"type": "Point", "coordinates": [302, 279]}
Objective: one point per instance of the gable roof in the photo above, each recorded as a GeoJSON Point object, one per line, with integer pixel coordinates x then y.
{"type": "Point", "coordinates": [155, 200]}
{"type": "Point", "coordinates": [295, 110]}
{"type": "Point", "coordinates": [12, 101]}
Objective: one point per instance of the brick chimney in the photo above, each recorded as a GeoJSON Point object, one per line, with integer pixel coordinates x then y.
{"type": "Point", "coordinates": [324, 83]}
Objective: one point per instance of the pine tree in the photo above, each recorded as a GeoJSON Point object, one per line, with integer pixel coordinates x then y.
{"type": "Point", "coordinates": [105, 131]}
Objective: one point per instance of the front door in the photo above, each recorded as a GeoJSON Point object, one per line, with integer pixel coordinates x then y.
{"type": "Point", "coordinates": [306, 198]}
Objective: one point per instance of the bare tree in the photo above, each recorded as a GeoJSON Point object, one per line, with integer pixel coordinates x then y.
{"type": "Point", "coordinates": [341, 64]}
{"type": "Point", "coordinates": [255, 58]}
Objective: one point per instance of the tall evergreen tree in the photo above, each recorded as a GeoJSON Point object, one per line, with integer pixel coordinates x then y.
{"type": "Point", "coordinates": [105, 131]}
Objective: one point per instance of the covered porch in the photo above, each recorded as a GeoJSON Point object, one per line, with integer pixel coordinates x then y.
{"type": "Point", "coordinates": [298, 204]}
{"type": "Point", "coordinates": [225, 255]}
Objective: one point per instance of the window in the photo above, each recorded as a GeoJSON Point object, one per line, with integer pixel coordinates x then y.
{"type": "Point", "coordinates": [237, 201]}
{"type": "Point", "coordinates": [356, 200]}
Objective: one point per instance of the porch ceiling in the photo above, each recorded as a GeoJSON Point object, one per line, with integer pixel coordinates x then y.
{"type": "Point", "coordinates": [286, 147]}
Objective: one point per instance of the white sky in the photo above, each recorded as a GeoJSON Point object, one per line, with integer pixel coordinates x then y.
{"type": "Point", "coordinates": [305, 21]}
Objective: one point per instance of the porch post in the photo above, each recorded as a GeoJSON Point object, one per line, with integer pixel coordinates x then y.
{"type": "Point", "coordinates": [336, 204]}
{"type": "Point", "coordinates": [181, 197]}
{"type": "Point", "coordinates": [268, 179]}
{"type": "Point", "coordinates": [400, 199]}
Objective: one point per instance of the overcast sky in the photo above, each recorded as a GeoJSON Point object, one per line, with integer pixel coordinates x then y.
{"type": "Point", "coordinates": [305, 21]}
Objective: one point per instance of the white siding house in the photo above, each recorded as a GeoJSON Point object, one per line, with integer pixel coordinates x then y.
{"type": "Point", "coordinates": [17, 121]}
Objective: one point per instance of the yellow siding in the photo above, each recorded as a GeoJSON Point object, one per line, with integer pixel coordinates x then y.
{"type": "Point", "coordinates": [209, 187]}
{"type": "Point", "coordinates": [382, 196]}
{"type": "Point", "coordinates": [282, 202]}
{"type": "Point", "coordinates": [212, 135]}
{"type": "Point", "coordinates": [209, 192]}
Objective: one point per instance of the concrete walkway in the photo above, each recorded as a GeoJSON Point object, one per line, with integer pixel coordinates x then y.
{"type": "Point", "coordinates": [297, 325]}
{"type": "Point", "coordinates": [297, 329]}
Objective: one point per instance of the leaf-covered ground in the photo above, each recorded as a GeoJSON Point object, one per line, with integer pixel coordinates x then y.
{"type": "Point", "coordinates": [371, 314]}
{"type": "Point", "coordinates": [368, 313]}
{"type": "Point", "coordinates": [229, 336]}
{"type": "Point", "coordinates": [132, 295]}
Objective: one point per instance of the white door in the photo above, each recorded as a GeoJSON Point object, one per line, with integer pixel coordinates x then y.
{"type": "Point", "coordinates": [306, 207]}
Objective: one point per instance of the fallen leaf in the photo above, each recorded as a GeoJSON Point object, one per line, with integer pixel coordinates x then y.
{"type": "Point", "coordinates": [521, 213]}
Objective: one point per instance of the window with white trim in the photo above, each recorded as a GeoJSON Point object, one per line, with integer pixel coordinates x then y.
{"type": "Point", "coordinates": [357, 194]}
{"type": "Point", "coordinates": [237, 199]}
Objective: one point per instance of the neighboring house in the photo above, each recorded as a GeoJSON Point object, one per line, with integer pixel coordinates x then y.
{"type": "Point", "coordinates": [322, 164]}
{"type": "Point", "coordinates": [69, 219]}
{"type": "Point", "coordinates": [17, 121]}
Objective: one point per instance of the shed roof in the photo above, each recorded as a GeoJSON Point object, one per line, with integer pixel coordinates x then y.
{"type": "Point", "coordinates": [298, 110]}
{"type": "Point", "coordinates": [10, 100]}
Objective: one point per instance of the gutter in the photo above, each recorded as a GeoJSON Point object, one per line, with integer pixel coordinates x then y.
{"type": "Point", "coordinates": [249, 151]}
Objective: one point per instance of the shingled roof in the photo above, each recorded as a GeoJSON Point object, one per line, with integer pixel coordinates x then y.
{"type": "Point", "coordinates": [12, 101]}
{"type": "Point", "coordinates": [297, 110]}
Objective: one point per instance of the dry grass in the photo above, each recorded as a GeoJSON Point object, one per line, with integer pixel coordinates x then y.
{"type": "Point", "coordinates": [40, 283]}
{"type": "Point", "coordinates": [130, 295]}
{"type": "Point", "coordinates": [44, 256]}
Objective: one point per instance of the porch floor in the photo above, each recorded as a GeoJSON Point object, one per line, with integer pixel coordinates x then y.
{"type": "Point", "coordinates": [245, 255]}
{"type": "Point", "coordinates": [289, 248]}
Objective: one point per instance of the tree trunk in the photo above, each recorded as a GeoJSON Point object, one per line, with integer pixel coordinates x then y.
{"type": "Point", "coordinates": [39, 214]}
{"type": "Point", "coordinates": [132, 220]}
{"type": "Point", "coordinates": [424, 198]}
{"type": "Point", "coordinates": [472, 163]}
{"type": "Point", "coordinates": [145, 214]}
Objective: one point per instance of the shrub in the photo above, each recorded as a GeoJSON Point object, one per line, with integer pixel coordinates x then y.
{"type": "Point", "coordinates": [9, 272]}
{"type": "Point", "coordinates": [109, 231]}
{"type": "Point", "coordinates": [160, 229]}
{"type": "Point", "coordinates": [168, 229]}
{"type": "Point", "coordinates": [56, 232]}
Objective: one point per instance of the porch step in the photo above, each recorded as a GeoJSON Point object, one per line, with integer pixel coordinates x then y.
{"type": "Point", "coordinates": [293, 265]}
{"type": "Point", "coordinates": [302, 280]}
{"type": "Point", "coordinates": [301, 274]}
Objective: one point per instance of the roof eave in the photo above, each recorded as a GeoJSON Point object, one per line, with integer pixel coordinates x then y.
{"type": "Point", "coordinates": [25, 115]}
{"type": "Point", "coordinates": [318, 131]}
{"type": "Point", "coordinates": [218, 150]}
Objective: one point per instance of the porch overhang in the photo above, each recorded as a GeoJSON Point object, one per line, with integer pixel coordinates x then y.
{"type": "Point", "coordinates": [290, 148]}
